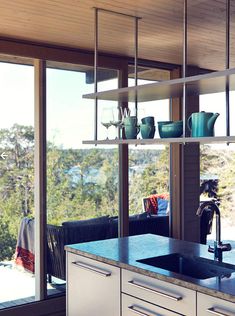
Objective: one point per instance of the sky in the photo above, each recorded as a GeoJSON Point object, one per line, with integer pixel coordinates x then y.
{"type": "Point", "coordinates": [69, 116]}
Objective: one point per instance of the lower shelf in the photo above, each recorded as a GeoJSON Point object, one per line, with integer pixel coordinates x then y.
{"type": "Point", "coordinates": [156, 141]}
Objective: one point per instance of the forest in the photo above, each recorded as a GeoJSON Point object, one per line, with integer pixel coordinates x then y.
{"type": "Point", "coordinates": [83, 183]}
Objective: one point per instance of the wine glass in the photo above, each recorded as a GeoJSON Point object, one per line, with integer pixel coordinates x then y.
{"type": "Point", "coordinates": [117, 119]}
{"type": "Point", "coordinates": [106, 118]}
{"type": "Point", "coordinates": [125, 112]}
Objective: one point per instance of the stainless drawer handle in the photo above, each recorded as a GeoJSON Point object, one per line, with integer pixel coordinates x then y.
{"type": "Point", "coordinates": [172, 297]}
{"type": "Point", "coordinates": [136, 311]}
{"type": "Point", "coordinates": [89, 268]}
{"type": "Point", "coordinates": [213, 311]}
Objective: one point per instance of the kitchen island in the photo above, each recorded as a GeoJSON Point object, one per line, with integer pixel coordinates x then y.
{"type": "Point", "coordinates": [161, 291]}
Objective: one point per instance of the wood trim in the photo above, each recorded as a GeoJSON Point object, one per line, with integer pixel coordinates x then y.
{"type": "Point", "coordinates": [185, 181]}
{"type": "Point", "coordinates": [20, 50]}
{"type": "Point", "coordinates": [123, 224]}
{"type": "Point", "coordinates": [40, 183]}
{"type": "Point", "coordinates": [56, 53]}
{"type": "Point", "coordinates": [191, 176]}
{"type": "Point", "coordinates": [175, 167]}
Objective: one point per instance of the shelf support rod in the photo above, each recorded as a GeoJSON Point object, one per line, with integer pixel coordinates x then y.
{"type": "Point", "coordinates": [185, 56]}
{"type": "Point", "coordinates": [96, 33]}
{"type": "Point", "coordinates": [96, 36]}
{"type": "Point", "coordinates": [227, 67]}
{"type": "Point", "coordinates": [136, 66]}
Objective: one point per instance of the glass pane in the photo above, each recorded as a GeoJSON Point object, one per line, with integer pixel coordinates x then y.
{"type": "Point", "coordinates": [16, 185]}
{"type": "Point", "coordinates": [217, 170]}
{"type": "Point", "coordinates": [216, 103]}
{"type": "Point", "coordinates": [149, 197]}
{"type": "Point", "coordinates": [82, 180]}
{"type": "Point", "coordinates": [149, 176]}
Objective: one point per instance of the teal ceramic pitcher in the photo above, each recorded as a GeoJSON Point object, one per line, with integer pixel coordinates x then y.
{"type": "Point", "coordinates": [201, 124]}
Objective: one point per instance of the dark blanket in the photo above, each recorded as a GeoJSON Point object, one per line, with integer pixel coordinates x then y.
{"type": "Point", "coordinates": [24, 255]}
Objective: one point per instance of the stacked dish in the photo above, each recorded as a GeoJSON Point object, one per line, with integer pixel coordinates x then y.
{"type": "Point", "coordinates": [147, 128]}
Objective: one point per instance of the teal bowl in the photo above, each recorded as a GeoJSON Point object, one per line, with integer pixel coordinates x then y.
{"type": "Point", "coordinates": [170, 130]}
{"type": "Point", "coordinates": [160, 124]}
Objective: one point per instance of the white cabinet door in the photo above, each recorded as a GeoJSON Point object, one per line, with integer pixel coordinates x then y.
{"type": "Point", "coordinates": [161, 293]}
{"type": "Point", "coordinates": [93, 288]}
{"type": "Point", "coordinates": [212, 306]}
{"type": "Point", "coordinates": [132, 306]}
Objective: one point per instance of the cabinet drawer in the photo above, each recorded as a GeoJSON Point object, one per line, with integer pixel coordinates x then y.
{"type": "Point", "coordinates": [132, 306]}
{"type": "Point", "coordinates": [209, 306]}
{"type": "Point", "coordinates": [92, 286]}
{"type": "Point", "coordinates": [167, 295]}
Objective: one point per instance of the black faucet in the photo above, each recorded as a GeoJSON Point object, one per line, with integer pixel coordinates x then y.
{"type": "Point", "coordinates": [219, 247]}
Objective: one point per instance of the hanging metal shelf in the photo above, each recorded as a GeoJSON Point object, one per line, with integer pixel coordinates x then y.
{"type": "Point", "coordinates": [201, 84]}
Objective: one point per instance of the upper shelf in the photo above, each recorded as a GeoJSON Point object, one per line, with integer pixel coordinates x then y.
{"type": "Point", "coordinates": [201, 84]}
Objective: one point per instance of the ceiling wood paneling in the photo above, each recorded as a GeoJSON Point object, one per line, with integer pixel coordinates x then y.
{"type": "Point", "coordinates": [71, 23]}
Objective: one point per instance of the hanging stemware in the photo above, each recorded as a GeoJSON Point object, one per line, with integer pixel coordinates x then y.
{"type": "Point", "coordinates": [106, 118]}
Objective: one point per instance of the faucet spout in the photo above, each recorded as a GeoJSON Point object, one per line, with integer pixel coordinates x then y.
{"type": "Point", "coordinates": [219, 247]}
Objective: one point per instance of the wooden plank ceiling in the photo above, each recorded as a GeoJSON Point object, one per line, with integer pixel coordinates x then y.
{"type": "Point", "coordinates": [71, 23]}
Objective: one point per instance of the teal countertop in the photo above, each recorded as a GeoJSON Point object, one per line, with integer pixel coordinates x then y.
{"type": "Point", "coordinates": [124, 253]}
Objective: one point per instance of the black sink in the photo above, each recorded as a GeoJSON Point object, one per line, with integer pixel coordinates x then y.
{"type": "Point", "coordinates": [194, 267]}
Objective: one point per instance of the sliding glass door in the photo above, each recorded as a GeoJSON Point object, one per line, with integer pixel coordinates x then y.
{"type": "Point", "coordinates": [82, 180]}
{"type": "Point", "coordinates": [16, 184]}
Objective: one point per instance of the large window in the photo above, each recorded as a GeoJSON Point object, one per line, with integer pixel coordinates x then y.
{"type": "Point", "coordinates": [82, 180]}
{"type": "Point", "coordinates": [16, 184]}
